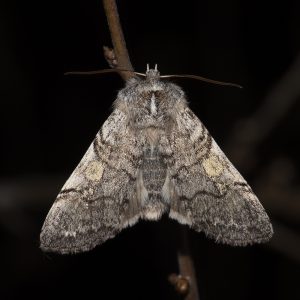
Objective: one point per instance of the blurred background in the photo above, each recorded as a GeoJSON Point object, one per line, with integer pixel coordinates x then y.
{"type": "Point", "coordinates": [48, 121]}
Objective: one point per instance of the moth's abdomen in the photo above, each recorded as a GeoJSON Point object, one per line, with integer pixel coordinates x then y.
{"type": "Point", "coordinates": [154, 172]}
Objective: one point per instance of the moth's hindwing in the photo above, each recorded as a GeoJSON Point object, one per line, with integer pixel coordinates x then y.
{"type": "Point", "coordinates": [211, 195]}
{"type": "Point", "coordinates": [99, 198]}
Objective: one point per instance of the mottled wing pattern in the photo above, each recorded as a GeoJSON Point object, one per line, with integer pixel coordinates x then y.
{"type": "Point", "coordinates": [210, 194]}
{"type": "Point", "coordinates": [100, 197]}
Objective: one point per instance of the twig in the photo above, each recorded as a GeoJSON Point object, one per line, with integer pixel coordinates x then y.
{"type": "Point", "coordinates": [110, 57]}
{"type": "Point", "coordinates": [186, 265]}
{"type": "Point", "coordinates": [186, 282]}
{"type": "Point", "coordinates": [119, 52]}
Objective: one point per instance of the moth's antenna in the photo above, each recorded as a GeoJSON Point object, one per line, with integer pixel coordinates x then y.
{"type": "Point", "coordinates": [155, 67]}
{"type": "Point", "coordinates": [96, 72]}
{"type": "Point", "coordinates": [143, 75]}
{"type": "Point", "coordinates": [203, 79]}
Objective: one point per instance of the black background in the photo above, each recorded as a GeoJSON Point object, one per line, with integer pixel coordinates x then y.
{"type": "Point", "coordinates": [48, 120]}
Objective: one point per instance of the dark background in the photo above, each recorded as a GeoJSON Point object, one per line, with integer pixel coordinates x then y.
{"type": "Point", "coordinates": [48, 121]}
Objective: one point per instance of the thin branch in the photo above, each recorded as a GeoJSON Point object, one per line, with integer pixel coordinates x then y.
{"type": "Point", "coordinates": [120, 51]}
{"type": "Point", "coordinates": [186, 265]}
{"type": "Point", "coordinates": [185, 283]}
{"type": "Point", "coordinates": [110, 57]}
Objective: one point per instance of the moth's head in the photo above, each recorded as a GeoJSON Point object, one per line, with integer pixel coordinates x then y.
{"type": "Point", "coordinates": [152, 74]}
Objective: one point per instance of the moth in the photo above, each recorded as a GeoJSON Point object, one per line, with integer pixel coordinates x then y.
{"type": "Point", "coordinates": [153, 156]}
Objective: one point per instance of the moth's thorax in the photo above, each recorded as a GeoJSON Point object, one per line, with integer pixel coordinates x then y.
{"type": "Point", "coordinates": [150, 102]}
